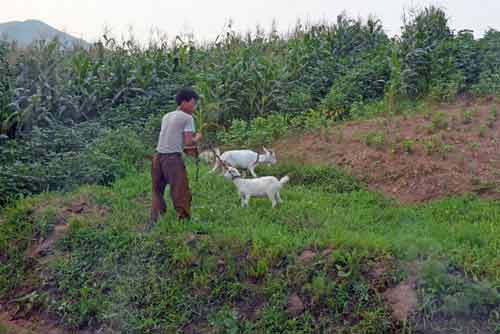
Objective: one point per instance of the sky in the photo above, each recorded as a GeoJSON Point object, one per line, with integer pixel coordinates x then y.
{"type": "Point", "coordinates": [206, 19]}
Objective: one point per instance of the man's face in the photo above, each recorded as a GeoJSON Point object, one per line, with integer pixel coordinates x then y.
{"type": "Point", "coordinates": [189, 107]}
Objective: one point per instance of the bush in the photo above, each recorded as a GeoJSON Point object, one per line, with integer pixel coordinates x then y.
{"type": "Point", "coordinates": [61, 158]}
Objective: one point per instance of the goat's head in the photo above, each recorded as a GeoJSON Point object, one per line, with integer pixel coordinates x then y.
{"type": "Point", "coordinates": [231, 173]}
{"type": "Point", "coordinates": [270, 156]}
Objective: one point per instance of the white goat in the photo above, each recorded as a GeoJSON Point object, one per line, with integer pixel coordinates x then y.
{"type": "Point", "coordinates": [245, 159]}
{"type": "Point", "coordinates": [262, 186]}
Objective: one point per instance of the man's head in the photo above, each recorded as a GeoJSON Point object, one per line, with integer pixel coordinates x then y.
{"type": "Point", "coordinates": [186, 99]}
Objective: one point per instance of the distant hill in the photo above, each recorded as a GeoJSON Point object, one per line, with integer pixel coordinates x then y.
{"type": "Point", "coordinates": [29, 31]}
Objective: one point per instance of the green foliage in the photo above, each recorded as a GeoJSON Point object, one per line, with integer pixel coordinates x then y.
{"type": "Point", "coordinates": [310, 120]}
{"type": "Point", "coordinates": [61, 158]}
{"type": "Point", "coordinates": [408, 145]}
{"type": "Point", "coordinates": [225, 321]}
{"type": "Point", "coordinates": [439, 121]}
{"type": "Point", "coordinates": [482, 131]}
{"type": "Point", "coordinates": [444, 149]}
{"type": "Point", "coordinates": [45, 224]}
{"type": "Point", "coordinates": [246, 76]}
{"type": "Point", "coordinates": [422, 35]}
{"type": "Point", "coordinates": [375, 139]}
{"type": "Point", "coordinates": [237, 134]}
{"type": "Point", "coordinates": [494, 112]}
{"type": "Point", "coordinates": [364, 82]}
{"type": "Point", "coordinates": [393, 88]}
{"type": "Point", "coordinates": [489, 77]}
{"type": "Point", "coordinates": [17, 231]}
{"type": "Point", "coordinates": [113, 154]}
{"type": "Point", "coordinates": [329, 179]}
{"type": "Point", "coordinates": [431, 145]}
{"type": "Point", "coordinates": [467, 116]}
{"type": "Point", "coordinates": [448, 292]}
{"type": "Point", "coordinates": [441, 64]}
{"type": "Point", "coordinates": [262, 131]}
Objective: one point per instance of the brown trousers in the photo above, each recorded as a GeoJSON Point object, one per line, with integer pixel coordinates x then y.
{"type": "Point", "coordinates": [170, 169]}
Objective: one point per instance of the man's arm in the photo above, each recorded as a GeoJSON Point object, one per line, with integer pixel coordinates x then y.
{"type": "Point", "coordinates": [190, 139]}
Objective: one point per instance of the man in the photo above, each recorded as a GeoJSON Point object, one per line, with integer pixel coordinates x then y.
{"type": "Point", "coordinates": [177, 131]}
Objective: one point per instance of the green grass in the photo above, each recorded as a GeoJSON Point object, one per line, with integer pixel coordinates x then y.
{"type": "Point", "coordinates": [204, 273]}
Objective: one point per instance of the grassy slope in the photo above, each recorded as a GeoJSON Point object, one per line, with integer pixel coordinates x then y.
{"type": "Point", "coordinates": [233, 269]}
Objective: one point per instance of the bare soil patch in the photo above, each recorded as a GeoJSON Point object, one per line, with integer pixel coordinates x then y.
{"type": "Point", "coordinates": [446, 151]}
{"type": "Point", "coordinates": [83, 206]}
{"type": "Point", "coordinates": [21, 326]}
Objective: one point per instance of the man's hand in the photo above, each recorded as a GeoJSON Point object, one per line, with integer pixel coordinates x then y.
{"type": "Point", "coordinates": [190, 139]}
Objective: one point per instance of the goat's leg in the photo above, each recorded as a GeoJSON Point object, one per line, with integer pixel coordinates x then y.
{"type": "Point", "coordinates": [216, 165]}
{"type": "Point", "coordinates": [251, 169]}
{"type": "Point", "coordinates": [272, 197]}
{"type": "Point", "coordinates": [244, 200]}
{"type": "Point", "coordinates": [247, 200]}
{"type": "Point", "coordinates": [278, 197]}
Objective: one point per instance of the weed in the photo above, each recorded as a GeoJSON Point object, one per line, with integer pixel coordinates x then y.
{"type": "Point", "coordinates": [482, 131]}
{"type": "Point", "coordinates": [439, 121]}
{"type": "Point", "coordinates": [375, 139]}
{"type": "Point", "coordinates": [408, 145]}
{"type": "Point", "coordinates": [431, 145]}
{"type": "Point", "coordinates": [467, 116]}
{"type": "Point", "coordinates": [444, 149]}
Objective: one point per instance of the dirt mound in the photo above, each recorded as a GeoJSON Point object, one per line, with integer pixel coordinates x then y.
{"type": "Point", "coordinates": [402, 299]}
{"type": "Point", "coordinates": [307, 256]}
{"type": "Point", "coordinates": [23, 313]}
{"type": "Point", "coordinates": [443, 151]}
{"type": "Point", "coordinates": [20, 326]}
{"type": "Point", "coordinates": [295, 306]}
{"type": "Point", "coordinates": [42, 246]}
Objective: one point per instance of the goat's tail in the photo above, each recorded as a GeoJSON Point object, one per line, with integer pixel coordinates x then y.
{"type": "Point", "coordinates": [284, 180]}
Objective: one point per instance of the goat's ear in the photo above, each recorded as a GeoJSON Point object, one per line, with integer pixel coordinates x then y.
{"type": "Point", "coordinates": [265, 149]}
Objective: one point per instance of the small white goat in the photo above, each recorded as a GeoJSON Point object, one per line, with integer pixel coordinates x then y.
{"type": "Point", "coordinates": [246, 159]}
{"type": "Point", "coordinates": [262, 186]}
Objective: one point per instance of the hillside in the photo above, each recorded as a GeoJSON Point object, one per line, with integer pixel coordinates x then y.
{"type": "Point", "coordinates": [27, 32]}
{"type": "Point", "coordinates": [334, 257]}
{"type": "Point", "coordinates": [439, 151]}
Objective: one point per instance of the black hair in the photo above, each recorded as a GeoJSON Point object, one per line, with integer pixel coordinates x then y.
{"type": "Point", "coordinates": [185, 94]}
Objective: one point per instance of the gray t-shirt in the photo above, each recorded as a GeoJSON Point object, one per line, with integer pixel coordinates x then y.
{"type": "Point", "coordinates": [173, 126]}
